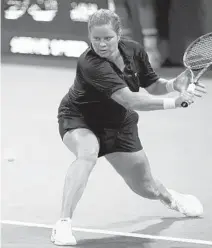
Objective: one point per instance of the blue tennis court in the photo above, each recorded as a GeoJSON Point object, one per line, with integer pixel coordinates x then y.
{"type": "Point", "coordinates": [34, 162]}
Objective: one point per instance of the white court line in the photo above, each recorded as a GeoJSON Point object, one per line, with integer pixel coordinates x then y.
{"type": "Point", "coordinates": [107, 232]}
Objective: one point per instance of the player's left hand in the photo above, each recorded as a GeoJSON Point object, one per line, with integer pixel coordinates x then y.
{"type": "Point", "coordinates": [182, 82]}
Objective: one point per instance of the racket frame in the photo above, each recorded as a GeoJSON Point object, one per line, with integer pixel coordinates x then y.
{"type": "Point", "coordinates": [191, 87]}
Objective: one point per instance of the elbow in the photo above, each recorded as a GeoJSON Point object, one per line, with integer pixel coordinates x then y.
{"type": "Point", "coordinates": [124, 97]}
{"type": "Point", "coordinates": [127, 104]}
{"type": "Point", "coordinates": [130, 105]}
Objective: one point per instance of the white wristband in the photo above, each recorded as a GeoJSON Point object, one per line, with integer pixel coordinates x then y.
{"type": "Point", "coordinates": [170, 86]}
{"type": "Point", "coordinates": [169, 103]}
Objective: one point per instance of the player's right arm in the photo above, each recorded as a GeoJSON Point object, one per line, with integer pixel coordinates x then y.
{"type": "Point", "coordinates": [140, 102]}
{"type": "Point", "coordinates": [99, 74]}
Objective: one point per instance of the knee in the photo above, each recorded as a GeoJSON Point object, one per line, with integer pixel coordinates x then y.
{"type": "Point", "coordinates": [87, 157]}
{"type": "Point", "coordinates": [88, 149]}
{"type": "Point", "coordinates": [81, 168]}
{"type": "Point", "coordinates": [83, 143]}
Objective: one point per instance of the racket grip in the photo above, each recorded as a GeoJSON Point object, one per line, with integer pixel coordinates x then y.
{"type": "Point", "coordinates": [191, 89]}
{"type": "Point", "coordinates": [184, 104]}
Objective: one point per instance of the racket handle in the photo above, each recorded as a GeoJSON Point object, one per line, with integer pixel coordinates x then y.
{"type": "Point", "coordinates": [184, 104]}
{"type": "Point", "coordinates": [191, 89]}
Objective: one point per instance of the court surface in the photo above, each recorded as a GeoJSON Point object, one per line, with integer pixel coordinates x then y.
{"type": "Point", "coordinates": [34, 162]}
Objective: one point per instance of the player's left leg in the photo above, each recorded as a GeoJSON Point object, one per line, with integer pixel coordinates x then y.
{"type": "Point", "coordinates": [135, 169]}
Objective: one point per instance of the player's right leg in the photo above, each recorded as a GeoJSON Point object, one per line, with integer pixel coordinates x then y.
{"type": "Point", "coordinates": [84, 144]}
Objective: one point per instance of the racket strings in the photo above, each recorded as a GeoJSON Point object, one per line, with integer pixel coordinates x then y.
{"type": "Point", "coordinates": [199, 54]}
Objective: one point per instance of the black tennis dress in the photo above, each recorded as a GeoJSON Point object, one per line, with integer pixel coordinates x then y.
{"type": "Point", "coordinates": [88, 103]}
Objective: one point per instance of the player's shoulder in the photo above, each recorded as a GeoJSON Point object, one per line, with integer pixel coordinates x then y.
{"type": "Point", "coordinates": [131, 46]}
{"type": "Point", "coordinates": [89, 60]}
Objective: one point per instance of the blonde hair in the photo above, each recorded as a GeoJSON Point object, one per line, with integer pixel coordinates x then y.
{"type": "Point", "coordinates": [105, 17]}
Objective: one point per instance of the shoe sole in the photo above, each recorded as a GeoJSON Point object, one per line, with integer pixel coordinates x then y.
{"type": "Point", "coordinates": [56, 242]}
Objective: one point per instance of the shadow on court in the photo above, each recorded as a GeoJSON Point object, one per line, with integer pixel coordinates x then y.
{"type": "Point", "coordinates": [14, 236]}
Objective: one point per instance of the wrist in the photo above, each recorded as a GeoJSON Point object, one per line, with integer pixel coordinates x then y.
{"type": "Point", "coordinates": [169, 103]}
{"type": "Point", "coordinates": [170, 85]}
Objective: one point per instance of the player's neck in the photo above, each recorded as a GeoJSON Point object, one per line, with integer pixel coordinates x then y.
{"type": "Point", "coordinates": [115, 56]}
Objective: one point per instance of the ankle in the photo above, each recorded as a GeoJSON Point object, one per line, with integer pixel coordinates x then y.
{"type": "Point", "coordinates": [165, 198]}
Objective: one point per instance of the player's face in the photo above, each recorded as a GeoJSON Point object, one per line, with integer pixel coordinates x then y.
{"type": "Point", "coordinates": [104, 40]}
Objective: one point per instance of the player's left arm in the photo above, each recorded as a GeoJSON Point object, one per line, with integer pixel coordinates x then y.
{"type": "Point", "coordinates": [155, 85]}
{"type": "Point", "coordinates": [180, 83]}
{"type": "Point", "coordinates": [161, 87]}
{"type": "Point", "coordinates": [149, 80]}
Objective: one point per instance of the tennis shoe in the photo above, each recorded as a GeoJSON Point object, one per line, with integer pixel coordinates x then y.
{"type": "Point", "coordinates": [62, 233]}
{"type": "Point", "coordinates": [188, 205]}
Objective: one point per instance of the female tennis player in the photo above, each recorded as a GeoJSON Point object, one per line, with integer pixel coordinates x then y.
{"type": "Point", "coordinates": [98, 117]}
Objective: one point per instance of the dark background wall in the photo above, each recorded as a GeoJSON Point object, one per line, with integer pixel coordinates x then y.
{"type": "Point", "coordinates": [187, 20]}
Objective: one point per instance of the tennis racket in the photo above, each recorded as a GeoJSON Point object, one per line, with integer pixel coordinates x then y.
{"type": "Point", "coordinates": [198, 58]}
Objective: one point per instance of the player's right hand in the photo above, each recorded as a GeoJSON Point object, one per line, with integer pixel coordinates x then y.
{"type": "Point", "coordinates": [184, 97]}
